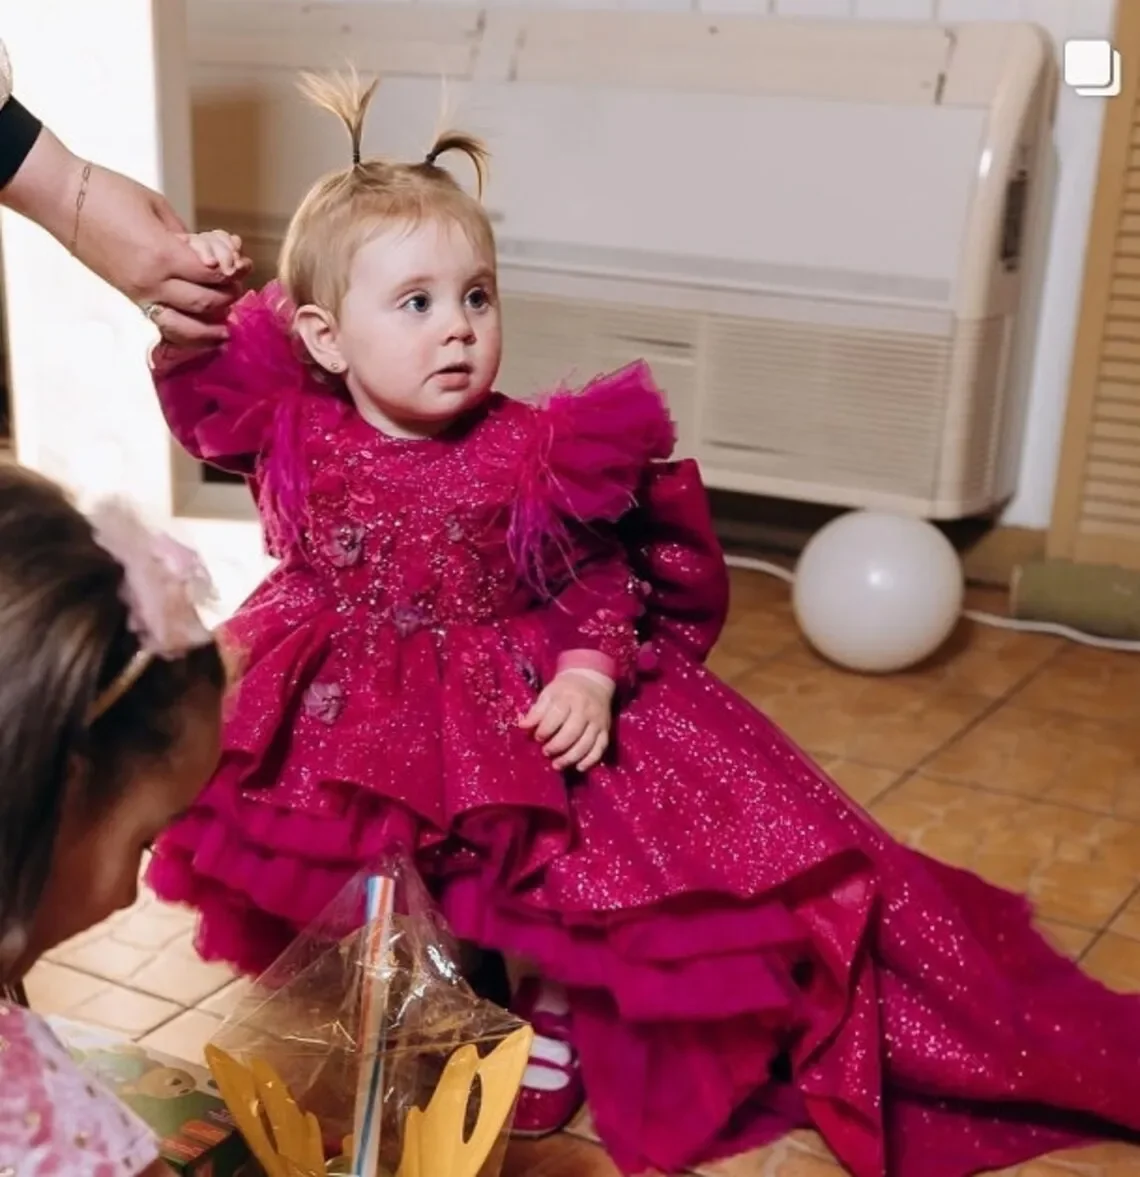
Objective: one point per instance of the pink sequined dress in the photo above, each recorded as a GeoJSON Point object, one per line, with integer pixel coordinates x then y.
{"type": "Point", "coordinates": [745, 950]}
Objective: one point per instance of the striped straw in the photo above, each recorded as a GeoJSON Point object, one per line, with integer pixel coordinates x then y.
{"type": "Point", "coordinates": [370, 1079]}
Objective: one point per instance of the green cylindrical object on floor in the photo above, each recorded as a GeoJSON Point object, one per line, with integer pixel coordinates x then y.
{"type": "Point", "coordinates": [1096, 599]}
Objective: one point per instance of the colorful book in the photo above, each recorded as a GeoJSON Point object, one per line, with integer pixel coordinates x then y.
{"type": "Point", "coordinates": [180, 1101]}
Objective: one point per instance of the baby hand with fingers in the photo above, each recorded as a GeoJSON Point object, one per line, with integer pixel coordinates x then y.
{"type": "Point", "coordinates": [222, 253]}
{"type": "Point", "coordinates": [220, 250]}
{"type": "Point", "coordinates": [572, 718]}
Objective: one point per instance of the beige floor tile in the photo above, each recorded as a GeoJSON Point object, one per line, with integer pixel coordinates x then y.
{"type": "Point", "coordinates": [776, 1161]}
{"type": "Point", "coordinates": [760, 633]}
{"type": "Point", "coordinates": [184, 1036]}
{"type": "Point", "coordinates": [981, 659]}
{"type": "Point", "coordinates": [98, 932]}
{"type": "Point", "coordinates": [1048, 1167]}
{"type": "Point", "coordinates": [126, 1010]}
{"type": "Point", "coordinates": [55, 989]}
{"type": "Point", "coordinates": [861, 782]}
{"type": "Point", "coordinates": [152, 925]}
{"type": "Point", "coordinates": [1054, 757]}
{"type": "Point", "coordinates": [177, 979]}
{"type": "Point", "coordinates": [1095, 684]}
{"type": "Point", "coordinates": [1077, 868]}
{"type": "Point", "coordinates": [988, 599]}
{"type": "Point", "coordinates": [1066, 938]}
{"type": "Point", "coordinates": [802, 1146]}
{"type": "Point", "coordinates": [760, 624]}
{"type": "Point", "coordinates": [582, 1126]}
{"type": "Point", "coordinates": [225, 1001]}
{"type": "Point", "coordinates": [1128, 922]}
{"type": "Point", "coordinates": [103, 956]}
{"type": "Point", "coordinates": [728, 664]}
{"type": "Point", "coordinates": [888, 722]}
{"type": "Point", "coordinates": [1101, 1160]}
{"type": "Point", "coordinates": [793, 1165]}
{"type": "Point", "coordinates": [752, 591]}
{"type": "Point", "coordinates": [1115, 960]}
{"type": "Point", "coordinates": [177, 974]}
{"type": "Point", "coordinates": [803, 1154]}
{"type": "Point", "coordinates": [799, 1154]}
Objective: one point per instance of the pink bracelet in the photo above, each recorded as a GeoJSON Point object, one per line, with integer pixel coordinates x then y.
{"type": "Point", "coordinates": [586, 660]}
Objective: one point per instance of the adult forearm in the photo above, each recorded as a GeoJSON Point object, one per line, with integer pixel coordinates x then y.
{"type": "Point", "coordinates": [45, 184]}
{"type": "Point", "coordinates": [119, 229]}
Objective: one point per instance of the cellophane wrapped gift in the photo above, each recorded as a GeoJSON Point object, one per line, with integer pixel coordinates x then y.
{"type": "Point", "coordinates": [363, 1051]}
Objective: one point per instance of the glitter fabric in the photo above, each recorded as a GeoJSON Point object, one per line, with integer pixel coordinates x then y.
{"type": "Point", "coordinates": [55, 1120]}
{"type": "Point", "coordinates": [745, 950]}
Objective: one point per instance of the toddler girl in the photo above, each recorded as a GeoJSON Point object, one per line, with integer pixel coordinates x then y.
{"type": "Point", "coordinates": [484, 641]}
{"type": "Point", "coordinates": [110, 710]}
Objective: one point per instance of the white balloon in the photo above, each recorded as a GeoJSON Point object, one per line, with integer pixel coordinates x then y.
{"type": "Point", "coordinates": [876, 592]}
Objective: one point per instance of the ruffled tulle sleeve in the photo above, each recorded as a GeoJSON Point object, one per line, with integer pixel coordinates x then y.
{"type": "Point", "coordinates": [588, 457]}
{"type": "Point", "coordinates": [221, 403]}
{"type": "Point", "coordinates": [239, 407]}
{"type": "Point", "coordinates": [598, 525]}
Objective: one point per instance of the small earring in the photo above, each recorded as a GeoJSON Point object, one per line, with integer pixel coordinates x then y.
{"type": "Point", "coordinates": [336, 365]}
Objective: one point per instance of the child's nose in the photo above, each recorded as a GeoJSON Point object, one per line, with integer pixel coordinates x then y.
{"type": "Point", "coordinates": [459, 326]}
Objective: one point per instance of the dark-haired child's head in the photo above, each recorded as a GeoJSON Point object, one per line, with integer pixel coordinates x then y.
{"type": "Point", "coordinates": [82, 798]}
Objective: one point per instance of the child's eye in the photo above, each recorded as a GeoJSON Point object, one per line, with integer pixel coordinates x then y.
{"type": "Point", "coordinates": [418, 303]}
{"type": "Point", "coordinates": [478, 299]}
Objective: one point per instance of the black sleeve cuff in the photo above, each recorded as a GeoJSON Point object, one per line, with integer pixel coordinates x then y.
{"type": "Point", "coordinates": [19, 130]}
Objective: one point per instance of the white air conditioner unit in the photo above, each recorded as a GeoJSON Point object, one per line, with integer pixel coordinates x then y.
{"type": "Point", "coordinates": [813, 229]}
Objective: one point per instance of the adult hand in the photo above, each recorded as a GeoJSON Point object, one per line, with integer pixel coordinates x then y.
{"type": "Point", "coordinates": [128, 235]}
{"type": "Point", "coordinates": [132, 238]}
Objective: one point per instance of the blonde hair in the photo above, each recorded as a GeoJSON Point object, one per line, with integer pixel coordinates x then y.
{"type": "Point", "coordinates": [345, 209]}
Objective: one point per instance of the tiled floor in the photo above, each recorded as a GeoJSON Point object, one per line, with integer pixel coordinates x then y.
{"type": "Point", "coordinates": [1015, 755]}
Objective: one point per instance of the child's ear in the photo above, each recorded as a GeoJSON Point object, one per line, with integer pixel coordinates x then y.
{"type": "Point", "coordinates": [318, 331]}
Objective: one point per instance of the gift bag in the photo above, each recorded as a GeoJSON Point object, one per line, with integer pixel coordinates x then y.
{"type": "Point", "coordinates": [363, 1052]}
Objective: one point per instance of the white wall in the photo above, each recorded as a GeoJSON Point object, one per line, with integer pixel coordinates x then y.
{"type": "Point", "coordinates": [82, 400]}
{"type": "Point", "coordinates": [1077, 143]}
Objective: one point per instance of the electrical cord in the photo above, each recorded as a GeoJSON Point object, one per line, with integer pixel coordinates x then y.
{"type": "Point", "coordinates": [747, 563]}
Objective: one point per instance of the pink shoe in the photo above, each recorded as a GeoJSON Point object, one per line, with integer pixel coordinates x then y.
{"type": "Point", "coordinates": [551, 1094]}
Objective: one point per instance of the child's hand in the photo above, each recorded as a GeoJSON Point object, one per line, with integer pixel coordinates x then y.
{"type": "Point", "coordinates": [572, 718]}
{"type": "Point", "coordinates": [221, 251]}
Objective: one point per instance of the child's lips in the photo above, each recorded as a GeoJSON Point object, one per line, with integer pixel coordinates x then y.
{"type": "Point", "coordinates": [454, 377]}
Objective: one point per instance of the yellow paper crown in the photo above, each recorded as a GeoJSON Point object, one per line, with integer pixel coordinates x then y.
{"type": "Point", "coordinates": [288, 1142]}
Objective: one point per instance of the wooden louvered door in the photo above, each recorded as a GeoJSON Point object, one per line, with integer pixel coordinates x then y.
{"type": "Point", "coordinates": [1096, 513]}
